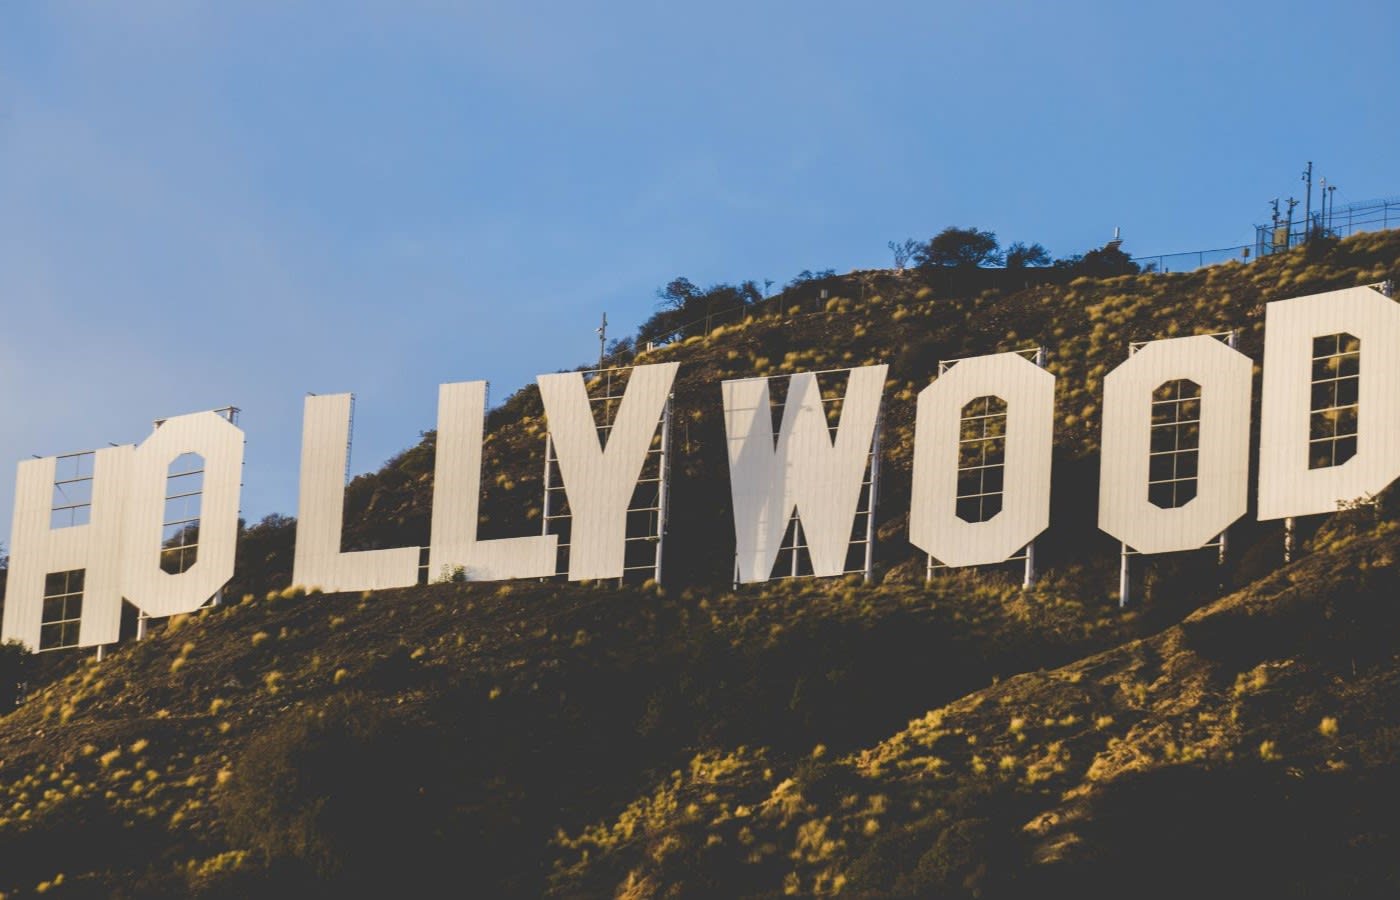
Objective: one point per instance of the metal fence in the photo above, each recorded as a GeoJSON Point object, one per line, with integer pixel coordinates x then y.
{"type": "Point", "coordinates": [1368, 215]}
{"type": "Point", "coordinates": [1194, 259]}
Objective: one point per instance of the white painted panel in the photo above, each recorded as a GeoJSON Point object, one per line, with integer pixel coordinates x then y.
{"type": "Point", "coordinates": [36, 550]}
{"type": "Point", "coordinates": [145, 584]}
{"type": "Point", "coordinates": [1287, 487]}
{"type": "Point", "coordinates": [1029, 394]}
{"type": "Point", "coordinates": [457, 497]}
{"type": "Point", "coordinates": [325, 458]}
{"type": "Point", "coordinates": [808, 471]}
{"type": "Point", "coordinates": [598, 480]}
{"type": "Point", "coordinates": [1222, 493]}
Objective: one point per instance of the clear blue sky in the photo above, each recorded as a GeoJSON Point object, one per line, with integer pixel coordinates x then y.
{"type": "Point", "coordinates": [214, 203]}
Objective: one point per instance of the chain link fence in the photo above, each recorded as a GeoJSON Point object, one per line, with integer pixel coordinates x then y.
{"type": "Point", "coordinates": [1368, 215]}
{"type": "Point", "coordinates": [1194, 259]}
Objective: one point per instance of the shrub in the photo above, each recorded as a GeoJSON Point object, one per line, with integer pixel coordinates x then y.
{"type": "Point", "coordinates": [337, 793]}
{"type": "Point", "coordinates": [14, 664]}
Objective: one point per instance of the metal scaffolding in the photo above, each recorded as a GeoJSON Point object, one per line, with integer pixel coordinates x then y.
{"type": "Point", "coordinates": [1027, 555]}
{"type": "Point", "coordinates": [649, 508]}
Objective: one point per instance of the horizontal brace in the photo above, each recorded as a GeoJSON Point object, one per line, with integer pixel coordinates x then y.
{"type": "Point", "coordinates": [978, 496]}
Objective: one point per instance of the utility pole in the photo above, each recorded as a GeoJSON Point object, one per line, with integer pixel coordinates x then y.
{"type": "Point", "coordinates": [1322, 214]}
{"type": "Point", "coordinates": [1288, 235]}
{"type": "Point", "coordinates": [1331, 204]}
{"type": "Point", "coordinates": [1307, 209]}
{"type": "Point", "coordinates": [603, 340]}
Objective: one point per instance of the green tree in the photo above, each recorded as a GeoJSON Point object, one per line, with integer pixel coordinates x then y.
{"type": "Point", "coordinates": [1104, 262]}
{"type": "Point", "coordinates": [679, 292]}
{"type": "Point", "coordinates": [903, 252]}
{"type": "Point", "coordinates": [687, 310]}
{"type": "Point", "coordinates": [960, 248]}
{"type": "Point", "coordinates": [807, 276]}
{"type": "Point", "coordinates": [1021, 256]}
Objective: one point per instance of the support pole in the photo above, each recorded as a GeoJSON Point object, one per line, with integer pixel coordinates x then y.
{"type": "Point", "coordinates": [101, 652]}
{"type": "Point", "coordinates": [874, 491]}
{"type": "Point", "coordinates": [1307, 208]}
{"type": "Point", "coordinates": [544, 517]}
{"type": "Point", "coordinates": [1288, 540]}
{"type": "Point", "coordinates": [1028, 577]}
{"type": "Point", "coordinates": [141, 620]}
{"type": "Point", "coordinates": [1124, 576]}
{"type": "Point", "coordinates": [602, 333]}
{"type": "Point", "coordinates": [1230, 342]}
{"type": "Point", "coordinates": [544, 504]}
{"type": "Point", "coordinates": [663, 495]}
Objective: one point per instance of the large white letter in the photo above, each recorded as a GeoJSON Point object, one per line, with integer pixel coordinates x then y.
{"type": "Point", "coordinates": [1199, 440]}
{"type": "Point", "coordinates": [457, 498]}
{"type": "Point", "coordinates": [1021, 473]}
{"type": "Point", "coordinates": [325, 461]}
{"type": "Point", "coordinates": [599, 481]}
{"type": "Point", "coordinates": [1334, 434]}
{"type": "Point", "coordinates": [145, 584]}
{"type": "Point", "coordinates": [808, 472]}
{"type": "Point", "coordinates": [84, 560]}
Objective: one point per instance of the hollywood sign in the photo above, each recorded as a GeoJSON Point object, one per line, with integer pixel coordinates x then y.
{"type": "Point", "coordinates": [156, 524]}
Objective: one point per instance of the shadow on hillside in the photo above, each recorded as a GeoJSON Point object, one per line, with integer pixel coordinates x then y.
{"type": "Point", "coordinates": [1253, 831]}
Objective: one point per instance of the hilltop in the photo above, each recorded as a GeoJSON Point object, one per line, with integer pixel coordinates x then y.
{"type": "Point", "coordinates": [957, 738]}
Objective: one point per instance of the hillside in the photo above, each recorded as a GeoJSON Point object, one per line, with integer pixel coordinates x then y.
{"type": "Point", "coordinates": [1248, 751]}
{"type": "Point", "coordinates": [810, 737]}
{"type": "Point", "coordinates": [909, 320]}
